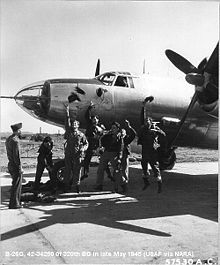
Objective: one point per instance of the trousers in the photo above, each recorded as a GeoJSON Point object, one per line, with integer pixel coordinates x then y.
{"type": "Point", "coordinates": [15, 196]}
{"type": "Point", "coordinates": [73, 165]}
{"type": "Point", "coordinates": [87, 159]}
{"type": "Point", "coordinates": [39, 172]}
{"type": "Point", "coordinates": [152, 159]}
{"type": "Point", "coordinates": [125, 168]}
{"type": "Point", "coordinates": [105, 158]}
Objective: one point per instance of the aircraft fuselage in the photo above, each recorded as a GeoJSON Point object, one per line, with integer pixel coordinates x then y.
{"type": "Point", "coordinates": [116, 101]}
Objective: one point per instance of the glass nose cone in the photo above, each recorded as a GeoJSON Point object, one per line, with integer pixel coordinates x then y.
{"type": "Point", "coordinates": [34, 98]}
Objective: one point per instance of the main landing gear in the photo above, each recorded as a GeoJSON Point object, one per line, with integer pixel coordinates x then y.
{"type": "Point", "coordinates": [167, 159]}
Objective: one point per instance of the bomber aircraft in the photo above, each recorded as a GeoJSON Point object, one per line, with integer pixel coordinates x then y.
{"type": "Point", "coordinates": [188, 116]}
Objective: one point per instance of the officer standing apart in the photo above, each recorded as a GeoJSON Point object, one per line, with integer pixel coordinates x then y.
{"type": "Point", "coordinates": [113, 145]}
{"type": "Point", "coordinates": [128, 135]}
{"type": "Point", "coordinates": [14, 165]}
{"type": "Point", "coordinates": [76, 144]}
{"type": "Point", "coordinates": [93, 133]}
{"type": "Point", "coordinates": [148, 138]}
{"type": "Point", "coordinates": [44, 160]}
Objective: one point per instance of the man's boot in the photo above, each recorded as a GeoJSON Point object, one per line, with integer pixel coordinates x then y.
{"type": "Point", "coordinates": [124, 187]}
{"type": "Point", "coordinates": [146, 183]}
{"type": "Point", "coordinates": [159, 183]}
{"type": "Point", "coordinates": [78, 190]}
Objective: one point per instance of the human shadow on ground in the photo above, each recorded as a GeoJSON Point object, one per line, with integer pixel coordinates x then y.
{"type": "Point", "coordinates": [182, 195]}
{"type": "Point", "coordinates": [100, 212]}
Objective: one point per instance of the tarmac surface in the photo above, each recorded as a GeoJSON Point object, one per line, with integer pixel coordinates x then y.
{"type": "Point", "coordinates": [178, 226]}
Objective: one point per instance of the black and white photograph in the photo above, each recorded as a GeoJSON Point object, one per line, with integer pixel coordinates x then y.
{"type": "Point", "coordinates": [109, 132]}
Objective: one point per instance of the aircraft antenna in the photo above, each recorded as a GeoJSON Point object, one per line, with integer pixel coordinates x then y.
{"type": "Point", "coordinates": [97, 71]}
{"type": "Point", "coordinates": [144, 67]}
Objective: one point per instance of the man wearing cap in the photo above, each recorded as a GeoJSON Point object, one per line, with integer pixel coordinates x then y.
{"type": "Point", "coordinates": [148, 137]}
{"type": "Point", "coordinates": [76, 144]}
{"type": "Point", "coordinates": [14, 165]}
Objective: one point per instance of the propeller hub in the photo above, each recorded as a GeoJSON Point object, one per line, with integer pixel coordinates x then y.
{"type": "Point", "coordinates": [195, 79]}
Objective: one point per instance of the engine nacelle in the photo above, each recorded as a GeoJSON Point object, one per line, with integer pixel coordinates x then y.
{"type": "Point", "coordinates": [211, 109]}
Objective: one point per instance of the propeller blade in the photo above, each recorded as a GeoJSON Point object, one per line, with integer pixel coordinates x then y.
{"type": "Point", "coordinates": [212, 64]}
{"type": "Point", "coordinates": [181, 63]}
{"type": "Point", "coordinates": [208, 89]}
{"type": "Point", "coordinates": [97, 71]}
{"type": "Point", "coordinates": [202, 64]}
{"type": "Point", "coordinates": [191, 104]}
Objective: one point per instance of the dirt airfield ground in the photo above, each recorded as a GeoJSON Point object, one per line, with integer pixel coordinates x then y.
{"type": "Point", "coordinates": [178, 226]}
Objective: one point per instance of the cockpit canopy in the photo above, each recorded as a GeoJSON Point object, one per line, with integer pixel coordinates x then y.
{"type": "Point", "coordinates": [122, 79]}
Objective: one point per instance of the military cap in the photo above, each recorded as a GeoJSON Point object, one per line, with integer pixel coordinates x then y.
{"type": "Point", "coordinates": [16, 126]}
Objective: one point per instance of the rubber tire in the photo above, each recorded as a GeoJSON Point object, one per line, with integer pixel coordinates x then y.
{"type": "Point", "coordinates": [168, 165]}
{"type": "Point", "coordinates": [58, 171]}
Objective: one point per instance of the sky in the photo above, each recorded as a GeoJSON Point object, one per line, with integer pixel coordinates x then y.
{"type": "Point", "coordinates": [63, 39]}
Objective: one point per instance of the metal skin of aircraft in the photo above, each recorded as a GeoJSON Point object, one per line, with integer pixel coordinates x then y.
{"type": "Point", "coordinates": [188, 115]}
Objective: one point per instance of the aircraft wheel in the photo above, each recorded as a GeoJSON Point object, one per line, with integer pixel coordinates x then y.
{"type": "Point", "coordinates": [168, 163]}
{"type": "Point", "coordinates": [58, 171]}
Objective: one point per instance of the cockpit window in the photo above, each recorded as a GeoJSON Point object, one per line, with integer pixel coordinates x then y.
{"type": "Point", "coordinates": [107, 79]}
{"type": "Point", "coordinates": [130, 79]}
{"type": "Point", "coordinates": [121, 81]}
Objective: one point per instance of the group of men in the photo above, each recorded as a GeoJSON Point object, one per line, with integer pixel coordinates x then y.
{"type": "Point", "coordinates": [113, 147]}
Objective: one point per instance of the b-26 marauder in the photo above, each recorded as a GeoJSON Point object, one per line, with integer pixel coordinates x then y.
{"type": "Point", "coordinates": [188, 116]}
